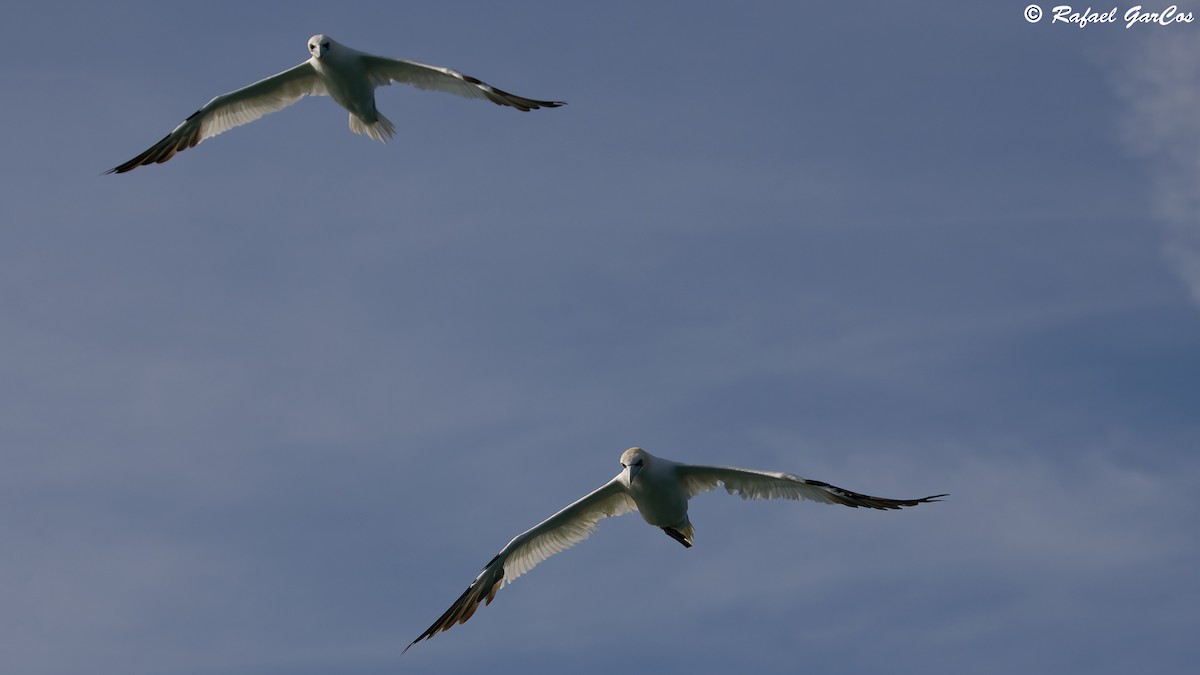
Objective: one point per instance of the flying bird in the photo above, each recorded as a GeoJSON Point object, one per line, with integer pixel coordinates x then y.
{"type": "Point", "coordinates": [346, 74]}
{"type": "Point", "coordinates": [659, 490]}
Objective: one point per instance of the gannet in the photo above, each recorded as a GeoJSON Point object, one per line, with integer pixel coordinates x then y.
{"type": "Point", "coordinates": [659, 490]}
{"type": "Point", "coordinates": [347, 75]}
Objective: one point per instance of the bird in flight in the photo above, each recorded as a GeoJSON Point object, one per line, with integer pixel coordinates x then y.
{"type": "Point", "coordinates": [346, 74]}
{"type": "Point", "coordinates": [659, 490]}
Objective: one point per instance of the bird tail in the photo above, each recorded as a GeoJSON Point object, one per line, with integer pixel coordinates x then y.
{"type": "Point", "coordinates": [681, 533]}
{"type": "Point", "coordinates": [381, 129]}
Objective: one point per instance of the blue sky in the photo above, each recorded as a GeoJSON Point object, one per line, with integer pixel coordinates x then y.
{"type": "Point", "coordinates": [269, 407]}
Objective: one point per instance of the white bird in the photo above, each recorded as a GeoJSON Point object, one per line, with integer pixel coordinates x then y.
{"type": "Point", "coordinates": [659, 490]}
{"type": "Point", "coordinates": [346, 74]}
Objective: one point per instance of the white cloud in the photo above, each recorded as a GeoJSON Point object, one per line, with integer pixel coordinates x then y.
{"type": "Point", "coordinates": [1160, 85]}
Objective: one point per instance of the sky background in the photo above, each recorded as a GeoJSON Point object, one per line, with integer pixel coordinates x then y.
{"type": "Point", "coordinates": [269, 407]}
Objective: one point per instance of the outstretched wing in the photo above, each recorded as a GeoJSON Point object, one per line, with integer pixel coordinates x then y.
{"type": "Point", "coordinates": [232, 110]}
{"type": "Point", "coordinates": [751, 484]}
{"type": "Point", "coordinates": [557, 533]}
{"type": "Point", "coordinates": [383, 71]}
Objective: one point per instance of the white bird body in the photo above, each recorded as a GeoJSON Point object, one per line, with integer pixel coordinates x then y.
{"type": "Point", "coordinates": [659, 490]}
{"type": "Point", "coordinates": [343, 72]}
{"type": "Point", "coordinates": [346, 75]}
{"type": "Point", "coordinates": [658, 494]}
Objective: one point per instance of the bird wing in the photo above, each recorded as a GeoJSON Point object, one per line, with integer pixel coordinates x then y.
{"type": "Point", "coordinates": [751, 484]}
{"type": "Point", "coordinates": [383, 71]}
{"type": "Point", "coordinates": [232, 110]}
{"type": "Point", "coordinates": [557, 533]}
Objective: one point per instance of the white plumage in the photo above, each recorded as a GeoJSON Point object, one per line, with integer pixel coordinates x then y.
{"type": "Point", "coordinates": [347, 75]}
{"type": "Point", "coordinates": [659, 490]}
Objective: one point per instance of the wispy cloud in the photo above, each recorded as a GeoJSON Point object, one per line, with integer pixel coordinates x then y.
{"type": "Point", "coordinates": [1160, 87]}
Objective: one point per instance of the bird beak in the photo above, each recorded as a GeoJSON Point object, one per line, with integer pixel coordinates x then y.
{"type": "Point", "coordinates": [634, 469]}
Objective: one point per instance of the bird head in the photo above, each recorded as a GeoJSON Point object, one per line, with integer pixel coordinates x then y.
{"type": "Point", "coordinates": [634, 460]}
{"type": "Point", "coordinates": [318, 45]}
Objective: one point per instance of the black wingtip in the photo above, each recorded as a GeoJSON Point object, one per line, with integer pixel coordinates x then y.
{"type": "Point", "coordinates": [122, 168]}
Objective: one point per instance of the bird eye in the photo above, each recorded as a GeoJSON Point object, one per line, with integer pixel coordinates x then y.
{"type": "Point", "coordinates": [312, 47]}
